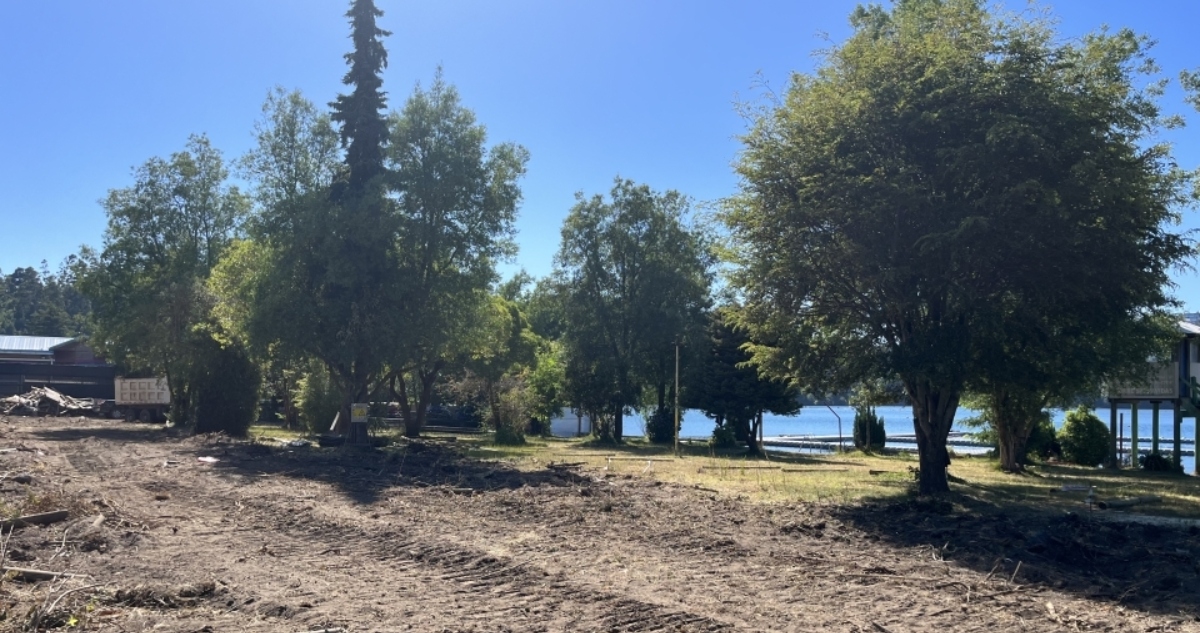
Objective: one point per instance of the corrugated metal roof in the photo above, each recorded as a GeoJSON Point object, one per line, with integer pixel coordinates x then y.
{"type": "Point", "coordinates": [33, 345]}
{"type": "Point", "coordinates": [1189, 328]}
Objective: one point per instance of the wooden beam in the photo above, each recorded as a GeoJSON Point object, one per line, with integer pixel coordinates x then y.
{"type": "Point", "coordinates": [1126, 503]}
{"type": "Point", "coordinates": [34, 519]}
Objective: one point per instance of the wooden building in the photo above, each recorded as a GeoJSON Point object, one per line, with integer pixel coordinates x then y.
{"type": "Point", "coordinates": [1172, 383]}
{"type": "Point", "coordinates": [66, 365]}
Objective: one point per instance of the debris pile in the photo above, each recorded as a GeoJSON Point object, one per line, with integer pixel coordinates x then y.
{"type": "Point", "coordinates": [46, 401]}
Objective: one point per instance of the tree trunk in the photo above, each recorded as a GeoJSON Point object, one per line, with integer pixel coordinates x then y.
{"type": "Point", "coordinates": [619, 424]}
{"type": "Point", "coordinates": [741, 429]}
{"type": "Point", "coordinates": [401, 396]}
{"type": "Point", "coordinates": [1012, 452]}
{"type": "Point", "coordinates": [752, 444]}
{"type": "Point", "coordinates": [1014, 413]}
{"type": "Point", "coordinates": [933, 415]}
{"type": "Point", "coordinates": [424, 399]}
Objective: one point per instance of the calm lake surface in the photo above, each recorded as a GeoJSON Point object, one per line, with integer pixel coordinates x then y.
{"type": "Point", "coordinates": [823, 421]}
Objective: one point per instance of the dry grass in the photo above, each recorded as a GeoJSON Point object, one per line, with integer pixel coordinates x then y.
{"type": "Point", "coordinates": [853, 476]}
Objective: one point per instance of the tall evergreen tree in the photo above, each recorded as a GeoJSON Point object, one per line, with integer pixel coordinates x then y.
{"type": "Point", "coordinates": [361, 113]}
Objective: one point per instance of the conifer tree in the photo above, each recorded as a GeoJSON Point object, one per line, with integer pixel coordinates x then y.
{"type": "Point", "coordinates": [361, 113]}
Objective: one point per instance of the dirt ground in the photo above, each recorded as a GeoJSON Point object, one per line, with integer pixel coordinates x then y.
{"type": "Point", "coordinates": [272, 538]}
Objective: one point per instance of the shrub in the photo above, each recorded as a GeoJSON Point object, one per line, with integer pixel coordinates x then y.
{"type": "Point", "coordinates": [1084, 438]}
{"type": "Point", "coordinates": [660, 428]}
{"type": "Point", "coordinates": [318, 400]}
{"type": "Point", "coordinates": [1160, 462]}
{"type": "Point", "coordinates": [723, 436]}
{"type": "Point", "coordinates": [226, 388]}
{"type": "Point", "coordinates": [513, 404]}
{"type": "Point", "coordinates": [1041, 437]}
{"type": "Point", "coordinates": [865, 418]}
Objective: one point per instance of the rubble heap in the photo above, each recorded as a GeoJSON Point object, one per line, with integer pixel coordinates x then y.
{"type": "Point", "coordinates": [46, 401]}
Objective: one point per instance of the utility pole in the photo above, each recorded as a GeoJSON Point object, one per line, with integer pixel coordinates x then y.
{"type": "Point", "coordinates": [677, 397]}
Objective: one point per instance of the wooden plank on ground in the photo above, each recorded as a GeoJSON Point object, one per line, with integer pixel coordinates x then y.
{"type": "Point", "coordinates": [34, 519]}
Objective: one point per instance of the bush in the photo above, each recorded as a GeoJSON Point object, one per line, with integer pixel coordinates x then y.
{"type": "Point", "coordinates": [1159, 462]}
{"type": "Point", "coordinates": [1084, 438]}
{"type": "Point", "coordinates": [865, 418]}
{"type": "Point", "coordinates": [226, 388]}
{"type": "Point", "coordinates": [660, 428]}
{"type": "Point", "coordinates": [513, 406]}
{"type": "Point", "coordinates": [723, 436]}
{"type": "Point", "coordinates": [318, 400]}
{"type": "Point", "coordinates": [1041, 437]}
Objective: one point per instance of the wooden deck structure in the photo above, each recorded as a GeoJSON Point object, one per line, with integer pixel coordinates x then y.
{"type": "Point", "coordinates": [1173, 383]}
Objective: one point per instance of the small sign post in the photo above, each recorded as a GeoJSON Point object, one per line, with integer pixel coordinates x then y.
{"type": "Point", "coordinates": [358, 425]}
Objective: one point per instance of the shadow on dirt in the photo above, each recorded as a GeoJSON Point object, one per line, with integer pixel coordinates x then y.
{"type": "Point", "coordinates": [117, 432]}
{"type": "Point", "coordinates": [1147, 567]}
{"type": "Point", "coordinates": [364, 473]}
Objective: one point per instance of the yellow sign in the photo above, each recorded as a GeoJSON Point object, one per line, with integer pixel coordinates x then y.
{"type": "Point", "coordinates": [358, 412]}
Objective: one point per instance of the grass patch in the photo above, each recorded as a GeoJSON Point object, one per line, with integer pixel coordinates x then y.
{"type": "Point", "coordinates": [259, 432]}
{"type": "Point", "coordinates": [848, 477]}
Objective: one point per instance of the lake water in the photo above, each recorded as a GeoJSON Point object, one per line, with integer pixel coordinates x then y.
{"type": "Point", "coordinates": [822, 421]}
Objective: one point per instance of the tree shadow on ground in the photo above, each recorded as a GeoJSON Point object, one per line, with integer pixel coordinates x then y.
{"type": "Point", "coordinates": [119, 432]}
{"type": "Point", "coordinates": [1150, 567]}
{"type": "Point", "coordinates": [363, 474]}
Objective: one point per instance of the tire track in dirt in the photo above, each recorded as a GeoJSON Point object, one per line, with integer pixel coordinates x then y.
{"type": "Point", "coordinates": [485, 587]}
{"type": "Point", "coordinates": [293, 550]}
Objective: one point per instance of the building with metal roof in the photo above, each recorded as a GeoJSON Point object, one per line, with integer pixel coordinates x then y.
{"type": "Point", "coordinates": [30, 349]}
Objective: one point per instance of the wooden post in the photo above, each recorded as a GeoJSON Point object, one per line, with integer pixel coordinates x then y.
{"type": "Point", "coordinates": [677, 397]}
{"type": "Point", "coordinates": [1178, 431]}
{"type": "Point", "coordinates": [1133, 435]}
{"type": "Point", "coordinates": [1154, 428]}
{"type": "Point", "coordinates": [1112, 433]}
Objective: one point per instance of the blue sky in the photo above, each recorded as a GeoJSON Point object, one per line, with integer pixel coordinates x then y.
{"type": "Point", "coordinates": [644, 89]}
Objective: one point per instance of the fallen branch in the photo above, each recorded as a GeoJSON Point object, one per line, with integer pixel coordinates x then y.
{"type": "Point", "coordinates": [1125, 503]}
{"type": "Point", "coordinates": [738, 467]}
{"type": "Point", "coordinates": [35, 519]}
{"type": "Point", "coordinates": [54, 605]}
{"type": "Point", "coordinates": [36, 575]}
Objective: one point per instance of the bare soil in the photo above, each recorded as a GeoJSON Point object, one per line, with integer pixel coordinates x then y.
{"type": "Point", "coordinates": [418, 537]}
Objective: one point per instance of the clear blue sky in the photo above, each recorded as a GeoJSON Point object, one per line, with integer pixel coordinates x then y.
{"type": "Point", "coordinates": [593, 88]}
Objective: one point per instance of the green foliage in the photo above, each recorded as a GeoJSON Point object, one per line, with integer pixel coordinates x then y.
{"type": "Point", "coordinates": [456, 203]}
{"type": "Point", "coordinates": [34, 303]}
{"type": "Point", "coordinates": [147, 286]}
{"type": "Point", "coordinates": [660, 426]}
{"type": "Point", "coordinates": [726, 386]}
{"type": "Point", "coordinates": [1041, 437]}
{"type": "Point", "coordinates": [512, 407]}
{"type": "Point", "coordinates": [868, 424]}
{"type": "Point", "coordinates": [225, 386]}
{"type": "Point", "coordinates": [296, 154]}
{"type": "Point", "coordinates": [360, 113]}
{"type": "Point", "coordinates": [723, 436]}
{"type": "Point", "coordinates": [634, 279]}
{"type": "Point", "coordinates": [546, 384]}
{"type": "Point", "coordinates": [901, 206]}
{"type": "Point", "coordinates": [318, 399]}
{"type": "Point", "coordinates": [1159, 462]}
{"type": "Point", "coordinates": [1084, 438]}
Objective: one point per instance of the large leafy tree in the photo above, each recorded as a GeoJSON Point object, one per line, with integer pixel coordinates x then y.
{"type": "Point", "coordinates": [296, 154]}
{"type": "Point", "coordinates": [324, 278]}
{"type": "Point", "coordinates": [165, 234]}
{"type": "Point", "coordinates": [634, 279]}
{"type": "Point", "coordinates": [456, 203]}
{"type": "Point", "coordinates": [944, 170]}
{"type": "Point", "coordinates": [295, 161]}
